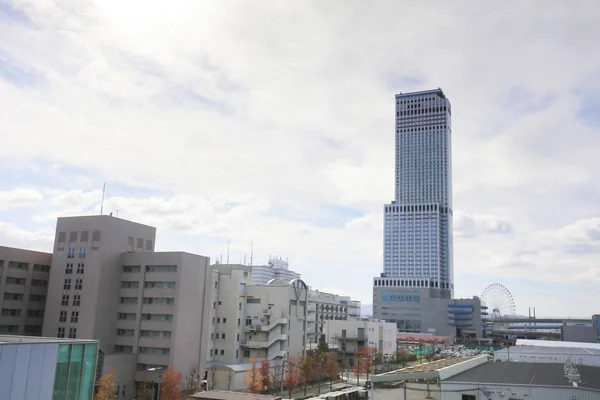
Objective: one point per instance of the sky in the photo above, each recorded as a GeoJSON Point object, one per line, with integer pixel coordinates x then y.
{"type": "Point", "coordinates": [272, 123]}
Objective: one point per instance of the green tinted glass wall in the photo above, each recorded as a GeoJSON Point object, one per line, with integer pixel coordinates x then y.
{"type": "Point", "coordinates": [75, 372]}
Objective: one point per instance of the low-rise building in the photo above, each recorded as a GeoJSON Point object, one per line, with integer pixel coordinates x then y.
{"type": "Point", "coordinates": [24, 276]}
{"type": "Point", "coordinates": [534, 381]}
{"type": "Point", "coordinates": [347, 337]}
{"type": "Point", "coordinates": [324, 307]}
{"type": "Point", "coordinates": [47, 368]}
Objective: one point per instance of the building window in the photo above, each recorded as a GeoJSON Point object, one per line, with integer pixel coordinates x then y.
{"type": "Point", "coordinates": [224, 320]}
{"type": "Point", "coordinates": [35, 313]}
{"type": "Point", "coordinates": [248, 321]}
{"type": "Point", "coordinates": [74, 317]}
{"type": "Point", "coordinates": [468, 397]}
{"type": "Point", "coordinates": [69, 268]}
{"type": "Point", "coordinates": [82, 252]}
{"type": "Point", "coordinates": [154, 350]}
{"type": "Point", "coordinates": [39, 283]}
{"type": "Point", "coordinates": [41, 268]}
{"type": "Point", "coordinates": [123, 349]}
{"type": "Point", "coordinates": [37, 298]}
{"type": "Point", "coordinates": [253, 301]}
{"type": "Point", "coordinates": [129, 300]}
{"type": "Point", "coordinates": [161, 268]}
{"type": "Point", "coordinates": [65, 300]}
{"type": "Point", "coordinates": [222, 336]}
{"type": "Point", "coordinates": [237, 353]}
{"type": "Point", "coordinates": [238, 338]}
{"type": "Point", "coordinates": [77, 300]}
{"type": "Point", "coordinates": [15, 281]}
{"type": "Point", "coordinates": [218, 320]}
{"type": "Point", "coordinates": [62, 317]}
{"type": "Point", "coordinates": [126, 316]}
{"type": "Point", "coordinates": [17, 265]}
{"type": "Point", "coordinates": [61, 332]}
{"type": "Point", "coordinates": [246, 353]}
{"type": "Point", "coordinates": [158, 300]}
{"type": "Point", "coordinates": [80, 267]}
{"type": "Point", "coordinates": [71, 253]}
{"type": "Point", "coordinates": [78, 284]}
{"type": "Point", "coordinates": [157, 317]}
{"type": "Point", "coordinates": [222, 352]}
{"type": "Point", "coordinates": [220, 302]}
{"type": "Point", "coordinates": [72, 333]}
{"type": "Point", "coordinates": [130, 285]}
{"type": "Point", "coordinates": [239, 322]}
{"type": "Point", "coordinates": [125, 332]}
{"type": "Point", "coordinates": [131, 269]}
{"type": "Point", "coordinates": [156, 334]}
{"type": "Point", "coordinates": [159, 285]}
{"type": "Point", "coordinates": [67, 284]}
{"type": "Point", "coordinates": [10, 312]}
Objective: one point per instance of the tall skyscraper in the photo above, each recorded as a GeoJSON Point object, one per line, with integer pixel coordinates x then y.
{"type": "Point", "coordinates": [418, 223]}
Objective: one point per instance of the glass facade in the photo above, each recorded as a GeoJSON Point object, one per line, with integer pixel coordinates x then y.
{"type": "Point", "coordinates": [75, 371]}
{"type": "Point", "coordinates": [418, 223]}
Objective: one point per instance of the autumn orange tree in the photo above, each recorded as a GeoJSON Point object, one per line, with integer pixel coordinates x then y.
{"type": "Point", "coordinates": [365, 357]}
{"type": "Point", "coordinates": [292, 375]}
{"type": "Point", "coordinates": [106, 387]}
{"type": "Point", "coordinates": [307, 370]}
{"type": "Point", "coordinates": [331, 368]}
{"type": "Point", "coordinates": [253, 379]}
{"type": "Point", "coordinates": [170, 384]}
{"type": "Point", "coordinates": [265, 374]}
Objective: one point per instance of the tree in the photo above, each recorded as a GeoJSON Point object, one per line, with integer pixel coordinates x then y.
{"type": "Point", "coordinates": [292, 375]}
{"type": "Point", "coordinates": [332, 369]}
{"type": "Point", "coordinates": [213, 377]}
{"type": "Point", "coordinates": [364, 360]}
{"type": "Point", "coordinates": [403, 357]}
{"type": "Point", "coordinates": [170, 384]}
{"type": "Point", "coordinates": [322, 348]}
{"type": "Point", "coordinates": [144, 391]}
{"type": "Point", "coordinates": [253, 380]}
{"type": "Point", "coordinates": [106, 387]}
{"type": "Point", "coordinates": [276, 377]}
{"type": "Point", "coordinates": [265, 374]}
{"type": "Point", "coordinates": [307, 371]}
{"type": "Point", "coordinates": [229, 379]}
{"type": "Point", "coordinates": [191, 380]}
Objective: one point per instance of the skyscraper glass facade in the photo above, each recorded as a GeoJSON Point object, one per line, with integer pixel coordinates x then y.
{"type": "Point", "coordinates": [418, 222]}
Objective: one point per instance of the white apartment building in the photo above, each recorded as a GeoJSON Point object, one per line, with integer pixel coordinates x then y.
{"type": "Point", "coordinates": [253, 322]}
{"type": "Point", "coordinates": [323, 307]}
{"type": "Point", "coordinates": [277, 268]}
{"type": "Point", "coordinates": [349, 336]}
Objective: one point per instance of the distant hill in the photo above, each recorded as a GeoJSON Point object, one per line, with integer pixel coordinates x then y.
{"type": "Point", "coordinates": [366, 310]}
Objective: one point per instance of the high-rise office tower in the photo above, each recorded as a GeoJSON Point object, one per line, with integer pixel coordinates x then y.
{"type": "Point", "coordinates": [418, 222]}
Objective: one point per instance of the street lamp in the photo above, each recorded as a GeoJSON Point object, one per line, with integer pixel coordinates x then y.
{"type": "Point", "coordinates": [158, 369]}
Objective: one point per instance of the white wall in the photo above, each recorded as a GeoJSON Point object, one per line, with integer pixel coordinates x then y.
{"type": "Point", "coordinates": [516, 392]}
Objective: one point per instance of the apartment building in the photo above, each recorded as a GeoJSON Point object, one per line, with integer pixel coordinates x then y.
{"type": "Point", "coordinates": [24, 276]}
{"type": "Point", "coordinates": [323, 307]}
{"type": "Point", "coordinates": [347, 337]}
{"type": "Point", "coordinates": [146, 309]}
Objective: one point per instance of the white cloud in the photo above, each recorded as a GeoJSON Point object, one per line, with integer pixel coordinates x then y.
{"type": "Point", "coordinates": [241, 114]}
{"type": "Point", "coordinates": [39, 239]}
{"type": "Point", "coordinates": [19, 197]}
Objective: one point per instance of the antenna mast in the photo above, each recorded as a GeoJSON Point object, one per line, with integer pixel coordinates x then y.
{"type": "Point", "coordinates": [251, 251]}
{"type": "Point", "coordinates": [228, 242]}
{"type": "Point", "coordinates": [102, 204]}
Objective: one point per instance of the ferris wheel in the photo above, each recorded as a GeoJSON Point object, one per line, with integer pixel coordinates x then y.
{"type": "Point", "coordinates": [499, 301]}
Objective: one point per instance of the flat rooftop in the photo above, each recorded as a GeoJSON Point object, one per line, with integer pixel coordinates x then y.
{"type": "Point", "coordinates": [548, 351]}
{"type": "Point", "coordinates": [440, 369]}
{"type": "Point", "coordinates": [227, 395]}
{"type": "Point", "coordinates": [556, 343]}
{"type": "Point", "coordinates": [535, 374]}
{"type": "Point", "coordinates": [11, 339]}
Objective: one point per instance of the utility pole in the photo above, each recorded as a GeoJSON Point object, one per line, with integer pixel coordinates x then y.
{"type": "Point", "coordinates": [282, 376]}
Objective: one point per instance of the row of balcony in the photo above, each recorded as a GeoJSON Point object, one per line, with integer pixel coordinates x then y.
{"type": "Point", "coordinates": [266, 328]}
{"type": "Point", "coordinates": [259, 344]}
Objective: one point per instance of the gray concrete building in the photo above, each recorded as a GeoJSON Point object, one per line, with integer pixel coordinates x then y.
{"type": "Point", "coordinates": [323, 307]}
{"type": "Point", "coordinates": [420, 310]}
{"type": "Point", "coordinates": [24, 276]}
{"type": "Point", "coordinates": [146, 309]}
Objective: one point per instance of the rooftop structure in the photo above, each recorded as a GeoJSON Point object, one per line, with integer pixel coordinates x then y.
{"type": "Point", "coordinates": [528, 374]}
{"type": "Point", "coordinates": [440, 369]}
{"type": "Point", "coordinates": [228, 395]}
{"type": "Point", "coordinates": [554, 343]}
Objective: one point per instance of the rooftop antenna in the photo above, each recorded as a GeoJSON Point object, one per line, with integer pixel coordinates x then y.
{"type": "Point", "coordinates": [102, 204]}
{"type": "Point", "coordinates": [251, 251]}
{"type": "Point", "coordinates": [117, 212]}
{"type": "Point", "coordinates": [244, 259]}
{"type": "Point", "coordinates": [228, 243]}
